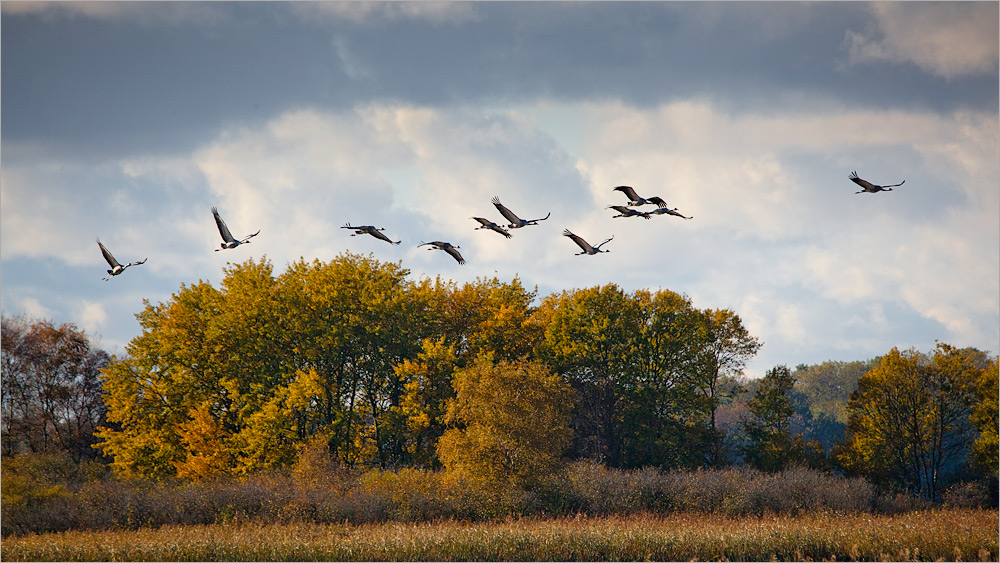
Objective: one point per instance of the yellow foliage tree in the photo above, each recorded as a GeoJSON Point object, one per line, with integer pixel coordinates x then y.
{"type": "Point", "coordinates": [203, 439]}
{"type": "Point", "coordinates": [509, 422]}
{"type": "Point", "coordinates": [910, 417]}
{"type": "Point", "coordinates": [986, 417]}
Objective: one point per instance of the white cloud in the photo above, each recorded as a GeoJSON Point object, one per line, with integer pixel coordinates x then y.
{"type": "Point", "coordinates": [91, 315]}
{"type": "Point", "coordinates": [365, 12]}
{"type": "Point", "coordinates": [173, 13]}
{"type": "Point", "coordinates": [32, 308]}
{"type": "Point", "coordinates": [949, 39]}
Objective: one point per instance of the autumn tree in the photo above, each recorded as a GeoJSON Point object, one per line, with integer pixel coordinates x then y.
{"type": "Point", "coordinates": [272, 361]}
{"type": "Point", "coordinates": [51, 388]}
{"type": "Point", "coordinates": [508, 422]}
{"type": "Point", "coordinates": [428, 384]}
{"type": "Point", "coordinates": [909, 419]}
{"type": "Point", "coordinates": [986, 418]}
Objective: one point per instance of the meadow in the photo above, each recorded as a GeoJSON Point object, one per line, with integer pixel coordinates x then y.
{"type": "Point", "coordinates": [927, 535]}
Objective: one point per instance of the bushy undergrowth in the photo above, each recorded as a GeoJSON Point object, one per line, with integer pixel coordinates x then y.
{"type": "Point", "coordinates": [329, 494]}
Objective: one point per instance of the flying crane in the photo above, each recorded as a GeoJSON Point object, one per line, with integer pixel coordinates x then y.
{"type": "Point", "coordinates": [227, 238]}
{"type": "Point", "coordinates": [624, 211]}
{"type": "Point", "coordinates": [447, 247]}
{"type": "Point", "coordinates": [515, 221]}
{"type": "Point", "coordinates": [868, 187]}
{"type": "Point", "coordinates": [487, 224]}
{"type": "Point", "coordinates": [587, 248]}
{"type": "Point", "coordinates": [634, 200]}
{"type": "Point", "coordinates": [370, 230]}
{"type": "Point", "coordinates": [116, 268]}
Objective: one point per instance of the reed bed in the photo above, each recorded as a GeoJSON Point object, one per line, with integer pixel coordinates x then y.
{"type": "Point", "coordinates": [945, 534]}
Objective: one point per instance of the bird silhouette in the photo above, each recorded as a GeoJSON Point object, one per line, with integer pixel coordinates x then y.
{"type": "Point", "coordinates": [515, 221]}
{"type": "Point", "coordinates": [868, 187]}
{"type": "Point", "coordinates": [116, 268]}
{"type": "Point", "coordinates": [634, 200]}
{"type": "Point", "coordinates": [627, 212]}
{"type": "Point", "coordinates": [227, 238]}
{"type": "Point", "coordinates": [668, 211]}
{"type": "Point", "coordinates": [370, 230]}
{"type": "Point", "coordinates": [487, 224]}
{"type": "Point", "coordinates": [447, 247]}
{"type": "Point", "coordinates": [587, 248]}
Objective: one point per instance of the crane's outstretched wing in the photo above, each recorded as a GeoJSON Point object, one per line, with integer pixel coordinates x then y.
{"type": "Point", "coordinates": [223, 229]}
{"type": "Point", "coordinates": [377, 233]}
{"type": "Point", "coordinates": [507, 213]}
{"type": "Point", "coordinates": [454, 253]}
{"type": "Point", "coordinates": [143, 261]}
{"type": "Point", "coordinates": [248, 237]}
{"type": "Point", "coordinates": [868, 186]}
{"type": "Point", "coordinates": [629, 192]}
{"type": "Point", "coordinates": [579, 241]}
{"type": "Point", "coordinates": [107, 255]}
{"type": "Point", "coordinates": [598, 247]}
{"type": "Point", "coordinates": [657, 200]}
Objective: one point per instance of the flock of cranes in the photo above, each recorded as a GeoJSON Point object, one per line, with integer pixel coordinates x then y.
{"type": "Point", "coordinates": [514, 222]}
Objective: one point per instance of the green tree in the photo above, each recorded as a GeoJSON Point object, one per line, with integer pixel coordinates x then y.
{"type": "Point", "coordinates": [590, 340]}
{"type": "Point", "coordinates": [909, 419]}
{"type": "Point", "coordinates": [663, 421]}
{"type": "Point", "coordinates": [769, 444]}
{"type": "Point", "coordinates": [724, 346]}
{"type": "Point", "coordinates": [820, 397]}
{"type": "Point", "coordinates": [509, 422]}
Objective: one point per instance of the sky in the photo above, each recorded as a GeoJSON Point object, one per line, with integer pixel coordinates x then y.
{"type": "Point", "coordinates": [130, 121]}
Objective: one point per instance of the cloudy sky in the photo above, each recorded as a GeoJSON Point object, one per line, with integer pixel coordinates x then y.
{"type": "Point", "coordinates": [129, 121]}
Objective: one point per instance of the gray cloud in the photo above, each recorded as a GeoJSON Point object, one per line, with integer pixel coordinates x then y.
{"type": "Point", "coordinates": [949, 39]}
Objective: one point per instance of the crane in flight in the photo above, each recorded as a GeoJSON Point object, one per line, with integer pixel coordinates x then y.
{"type": "Point", "coordinates": [624, 211]}
{"type": "Point", "coordinates": [227, 238]}
{"type": "Point", "coordinates": [487, 224]}
{"type": "Point", "coordinates": [116, 268]}
{"type": "Point", "coordinates": [370, 230]}
{"type": "Point", "coordinates": [445, 246]}
{"type": "Point", "coordinates": [587, 248]}
{"type": "Point", "coordinates": [668, 211]}
{"type": "Point", "coordinates": [868, 187]}
{"type": "Point", "coordinates": [634, 200]}
{"type": "Point", "coordinates": [515, 221]}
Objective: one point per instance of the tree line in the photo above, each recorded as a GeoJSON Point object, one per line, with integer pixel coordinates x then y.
{"type": "Point", "coordinates": [379, 370]}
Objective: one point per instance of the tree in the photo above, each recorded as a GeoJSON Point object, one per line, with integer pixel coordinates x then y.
{"type": "Point", "coordinates": [427, 380]}
{"type": "Point", "coordinates": [725, 346]}
{"type": "Point", "coordinates": [51, 393]}
{"type": "Point", "coordinates": [508, 422]}
{"type": "Point", "coordinates": [909, 419]}
{"type": "Point", "coordinates": [590, 340]}
{"type": "Point", "coordinates": [986, 418]}
{"type": "Point", "coordinates": [663, 420]}
{"type": "Point", "coordinates": [770, 445]}
{"type": "Point", "coordinates": [272, 361]}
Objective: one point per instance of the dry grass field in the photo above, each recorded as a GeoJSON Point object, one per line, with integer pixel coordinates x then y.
{"type": "Point", "coordinates": [947, 534]}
